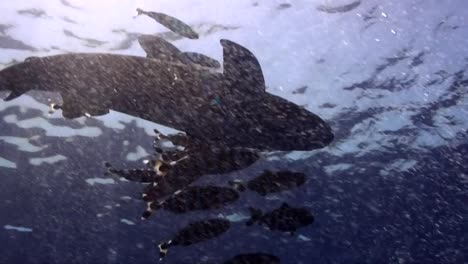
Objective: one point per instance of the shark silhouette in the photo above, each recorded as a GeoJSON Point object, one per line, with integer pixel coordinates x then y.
{"type": "Point", "coordinates": [230, 108]}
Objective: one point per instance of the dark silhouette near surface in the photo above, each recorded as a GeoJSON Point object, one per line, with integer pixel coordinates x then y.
{"type": "Point", "coordinates": [272, 182]}
{"type": "Point", "coordinates": [339, 9]}
{"type": "Point", "coordinates": [195, 232]}
{"type": "Point", "coordinates": [284, 219]}
{"type": "Point", "coordinates": [172, 23]}
{"type": "Point", "coordinates": [254, 258]}
{"type": "Point", "coordinates": [229, 109]}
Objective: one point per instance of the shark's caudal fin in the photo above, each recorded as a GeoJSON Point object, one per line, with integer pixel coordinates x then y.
{"type": "Point", "coordinates": [255, 215]}
{"type": "Point", "coordinates": [242, 70]}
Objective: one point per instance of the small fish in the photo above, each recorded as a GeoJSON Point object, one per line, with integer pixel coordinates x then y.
{"type": "Point", "coordinates": [254, 258]}
{"type": "Point", "coordinates": [300, 90]}
{"type": "Point", "coordinates": [171, 23]}
{"type": "Point", "coordinates": [284, 218]}
{"type": "Point", "coordinates": [191, 198]}
{"type": "Point", "coordinates": [272, 182]}
{"type": "Point", "coordinates": [339, 9]}
{"type": "Point", "coordinates": [195, 232]}
{"type": "Point", "coordinates": [136, 175]}
{"type": "Point", "coordinates": [200, 198]}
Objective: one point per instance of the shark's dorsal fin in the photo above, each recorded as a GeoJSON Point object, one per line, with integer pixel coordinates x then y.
{"type": "Point", "coordinates": [241, 69]}
{"type": "Point", "coordinates": [159, 48]}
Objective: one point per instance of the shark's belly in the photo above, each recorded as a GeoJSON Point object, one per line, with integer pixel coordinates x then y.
{"type": "Point", "coordinates": [168, 94]}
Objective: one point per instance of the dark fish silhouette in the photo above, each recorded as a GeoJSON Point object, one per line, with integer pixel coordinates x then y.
{"type": "Point", "coordinates": [172, 23]}
{"type": "Point", "coordinates": [195, 232]}
{"type": "Point", "coordinates": [284, 218]}
{"type": "Point", "coordinates": [254, 258]}
{"type": "Point", "coordinates": [273, 182]}
{"type": "Point", "coordinates": [339, 9]}
{"type": "Point", "coordinates": [200, 198]}
{"type": "Point", "coordinates": [203, 160]}
{"type": "Point", "coordinates": [300, 90]}
{"type": "Point", "coordinates": [158, 48]}
{"type": "Point", "coordinates": [228, 109]}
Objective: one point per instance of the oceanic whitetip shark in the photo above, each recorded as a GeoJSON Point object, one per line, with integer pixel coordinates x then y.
{"type": "Point", "coordinates": [231, 108]}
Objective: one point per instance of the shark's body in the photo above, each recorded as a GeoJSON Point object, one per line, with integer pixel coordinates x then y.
{"type": "Point", "coordinates": [230, 108]}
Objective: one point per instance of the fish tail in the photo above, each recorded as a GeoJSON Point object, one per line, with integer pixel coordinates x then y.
{"type": "Point", "coordinates": [255, 215]}
{"type": "Point", "coordinates": [163, 248]}
{"type": "Point", "coordinates": [150, 208]}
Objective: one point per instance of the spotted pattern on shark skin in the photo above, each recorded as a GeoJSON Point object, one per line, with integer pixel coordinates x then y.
{"type": "Point", "coordinates": [129, 84]}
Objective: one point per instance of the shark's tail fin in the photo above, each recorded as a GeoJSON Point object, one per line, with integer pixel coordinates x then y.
{"type": "Point", "coordinates": [163, 248]}
{"type": "Point", "coordinates": [255, 215]}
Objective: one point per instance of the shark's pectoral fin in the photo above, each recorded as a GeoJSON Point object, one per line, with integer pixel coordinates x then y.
{"type": "Point", "coordinates": [242, 70]}
{"type": "Point", "coordinates": [13, 95]}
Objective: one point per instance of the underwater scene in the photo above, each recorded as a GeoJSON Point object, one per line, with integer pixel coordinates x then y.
{"type": "Point", "coordinates": [235, 132]}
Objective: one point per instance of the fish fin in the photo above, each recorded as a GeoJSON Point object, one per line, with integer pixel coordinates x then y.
{"type": "Point", "coordinates": [159, 48]}
{"type": "Point", "coordinates": [163, 248]}
{"type": "Point", "coordinates": [241, 68]}
{"type": "Point", "coordinates": [13, 95]}
{"type": "Point", "coordinates": [202, 60]}
{"type": "Point", "coordinates": [255, 215]}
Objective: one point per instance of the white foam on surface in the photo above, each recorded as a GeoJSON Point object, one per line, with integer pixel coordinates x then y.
{"type": "Point", "coordinates": [52, 130]}
{"type": "Point", "coordinates": [22, 144]}
{"type": "Point", "coordinates": [7, 163]}
{"type": "Point", "coordinates": [127, 222]}
{"type": "Point", "coordinates": [93, 181]}
{"type": "Point", "coordinates": [48, 160]}
{"type": "Point", "coordinates": [18, 228]}
{"type": "Point", "coordinates": [139, 153]}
